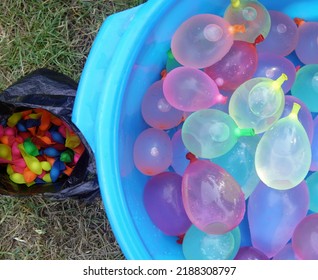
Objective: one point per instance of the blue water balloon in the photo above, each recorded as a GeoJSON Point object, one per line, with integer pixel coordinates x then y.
{"type": "Point", "coordinates": [239, 162]}
{"type": "Point", "coordinates": [274, 214]}
{"type": "Point", "coordinates": [198, 245]}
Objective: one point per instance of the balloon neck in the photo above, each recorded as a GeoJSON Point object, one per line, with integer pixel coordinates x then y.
{"type": "Point", "coordinates": [237, 28]}
{"type": "Point", "coordinates": [240, 132]}
{"type": "Point", "coordinates": [191, 157]}
{"type": "Point", "coordinates": [297, 68]}
{"type": "Point", "coordinates": [259, 39]}
{"type": "Point", "coordinates": [294, 112]}
{"type": "Point", "coordinates": [235, 3]}
{"type": "Point", "coordinates": [221, 99]}
{"type": "Point", "coordinates": [277, 84]}
{"type": "Point", "coordinates": [180, 238]}
{"type": "Point", "coordinates": [170, 54]}
{"type": "Point", "coordinates": [163, 74]}
{"type": "Point", "coordinates": [299, 21]}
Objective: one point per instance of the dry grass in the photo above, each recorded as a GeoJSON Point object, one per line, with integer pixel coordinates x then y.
{"type": "Point", "coordinates": [57, 35]}
{"type": "Point", "coordinates": [35, 228]}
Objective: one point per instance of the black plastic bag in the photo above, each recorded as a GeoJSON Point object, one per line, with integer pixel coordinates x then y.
{"type": "Point", "coordinates": [55, 93]}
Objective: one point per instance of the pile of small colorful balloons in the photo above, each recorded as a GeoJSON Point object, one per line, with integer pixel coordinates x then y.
{"type": "Point", "coordinates": [36, 147]}
{"type": "Point", "coordinates": [232, 143]}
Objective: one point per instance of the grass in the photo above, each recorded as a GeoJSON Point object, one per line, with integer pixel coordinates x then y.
{"type": "Point", "coordinates": [56, 35]}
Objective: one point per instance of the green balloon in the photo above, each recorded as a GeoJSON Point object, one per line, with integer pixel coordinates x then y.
{"type": "Point", "coordinates": [211, 133]}
{"type": "Point", "coordinates": [258, 103]}
{"type": "Point", "coordinates": [283, 155]}
{"type": "Point", "coordinates": [305, 86]}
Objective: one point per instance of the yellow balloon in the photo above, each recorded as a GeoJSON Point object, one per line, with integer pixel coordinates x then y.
{"type": "Point", "coordinates": [32, 162]}
{"type": "Point", "coordinates": [17, 178]}
{"type": "Point", "coordinates": [5, 152]}
{"type": "Point", "coordinates": [283, 155]}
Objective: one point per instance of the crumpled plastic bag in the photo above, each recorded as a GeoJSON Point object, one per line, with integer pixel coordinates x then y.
{"type": "Point", "coordinates": [55, 93]}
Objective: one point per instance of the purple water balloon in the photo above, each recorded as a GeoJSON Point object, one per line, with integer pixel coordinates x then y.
{"type": "Point", "coordinates": [282, 37]}
{"type": "Point", "coordinates": [307, 47]}
{"type": "Point", "coordinates": [152, 151]}
{"type": "Point", "coordinates": [274, 214]}
{"type": "Point", "coordinates": [213, 200]}
{"type": "Point", "coordinates": [304, 115]}
{"type": "Point", "coordinates": [236, 67]}
{"type": "Point", "coordinates": [156, 110]}
{"type": "Point", "coordinates": [250, 253]}
{"type": "Point", "coordinates": [273, 66]}
{"type": "Point", "coordinates": [305, 238]}
{"type": "Point", "coordinates": [189, 89]}
{"type": "Point", "coordinates": [287, 253]}
{"type": "Point", "coordinates": [163, 203]}
{"type": "Point", "coordinates": [314, 147]}
{"type": "Point", "coordinates": [179, 152]}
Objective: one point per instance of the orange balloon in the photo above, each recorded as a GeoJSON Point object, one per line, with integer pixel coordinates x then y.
{"type": "Point", "coordinates": [28, 175]}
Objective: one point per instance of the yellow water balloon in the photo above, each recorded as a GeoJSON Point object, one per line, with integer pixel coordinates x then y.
{"type": "Point", "coordinates": [283, 155]}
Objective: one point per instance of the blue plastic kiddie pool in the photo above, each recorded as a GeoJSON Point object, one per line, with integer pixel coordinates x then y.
{"type": "Point", "coordinates": [127, 56]}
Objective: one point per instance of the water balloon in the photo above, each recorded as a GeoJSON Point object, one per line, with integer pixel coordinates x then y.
{"type": "Point", "coordinates": [258, 103]}
{"type": "Point", "coordinates": [203, 40]}
{"type": "Point", "coordinates": [253, 15]}
{"type": "Point", "coordinates": [274, 214]}
{"type": "Point", "coordinates": [250, 253]}
{"type": "Point", "coordinates": [305, 86]}
{"type": "Point", "coordinates": [307, 47]}
{"type": "Point", "coordinates": [236, 67]}
{"type": "Point", "coordinates": [272, 66]}
{"type": "Point", "coordinates": [283, 155]}
{"type": "Point", "coordinates": [189, 89]}
{"type": "Point", "coordinates": [163, 203]}
{"type": "Point", "coordinates": [198, 245]}
{"type": "Point", "coordinates": [213, 200]}
{"type": "Point", "coordinates": [283, 36]}
{"type": "Point", "coordinates": [211, 133]}
{"type": "Point", "coordinates": [304, 240]}
{"type": "Point", "coordinates": [152, 151]}
{"type": "Point", "coordinates": [239, 162]}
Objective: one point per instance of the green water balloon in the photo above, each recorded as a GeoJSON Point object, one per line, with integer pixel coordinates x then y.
{"type": "Point", "coordinates": [258, 103]}
{"type": "Point", "coordinates": [305, 86]}
{"type": "Point", "coordinates": [210, 133]}
{"type": "Point", "coordinates": [283, 155]}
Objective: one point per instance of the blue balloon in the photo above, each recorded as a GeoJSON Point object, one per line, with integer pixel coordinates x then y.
{"type": "Point", "coordinates": [239, 162]}
{"type": "Point", "coordinates": [198, 245]}
{"type": "Point", "coordinates": [274, 214]}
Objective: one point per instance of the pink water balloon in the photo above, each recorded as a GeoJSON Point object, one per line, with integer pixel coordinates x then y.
{"type": "Point", "coordinates": [236, 67]}
{"type": "Point", "coordinates": [250, 253]}
{"type": "Point", "coordinates": [213, 200]}
{"type": "Point", "coordinates": [152, 151]}
{"type": "Point", "coordinates": [283, 36]}
{"type": "Point", "coordinates": [156, 110]}
{"type": "Point", "coordinates": [189, 89]}
{"type": "Point", "coordinates": [203, 40]}
{"type": "Point", "coordinates": [305, 238]}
